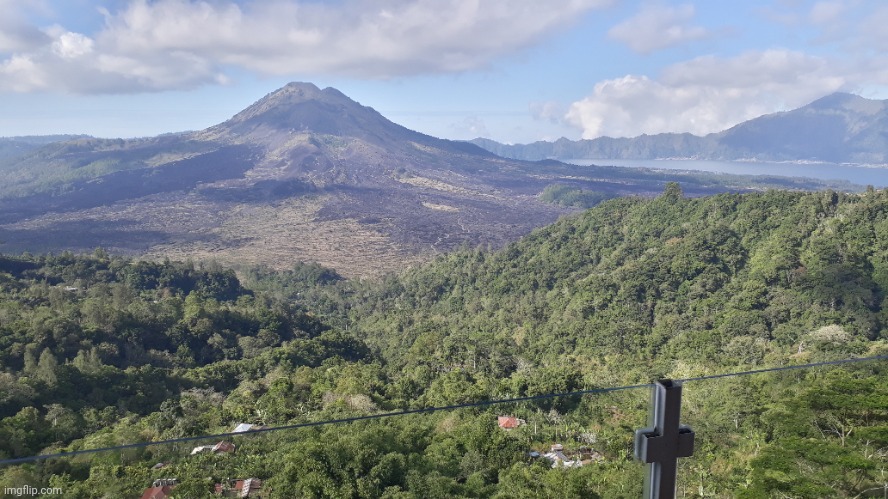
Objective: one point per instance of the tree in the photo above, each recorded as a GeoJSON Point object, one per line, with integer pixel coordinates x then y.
{"type": "Point", "coordinates": [672, 193]}
{"type": "Point", "coordinates": [64, 423]}
{"type": "Point", "coordinates": [30, 359]}
{"type": "Point", "coordinates": [47, 368]}
{"type": "Point", "coordinates": [88, 361]}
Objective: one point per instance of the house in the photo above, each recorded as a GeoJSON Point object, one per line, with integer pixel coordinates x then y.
{"type": "Point", "coordinates": [250, 487]}
{"type": "Point", "coordinates": [220, 447]}
{"type": "Point", "coordinates": [244, 427]}
{"type": "Point", "coordinates": [558, 459]}
{"type": "Point", "coordinates": [157, 492]}
{"type": "Point", "coordinates": [509, 422]}
{"type": "Point", "coordinates": [160, 489]}
{"type": "Point", "coordinates": [223, 446]}
{"type": "Point", "coordinates": [588, 455]}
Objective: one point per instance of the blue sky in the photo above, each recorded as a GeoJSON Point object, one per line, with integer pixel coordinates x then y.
{"type": "Point", "coordinates": [511, 70]}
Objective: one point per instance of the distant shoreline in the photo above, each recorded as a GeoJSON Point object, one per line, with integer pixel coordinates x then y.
{"type": "Point", "coordinates": [860, 174]}
{"type": "Point", "coordinates": [743, 160]}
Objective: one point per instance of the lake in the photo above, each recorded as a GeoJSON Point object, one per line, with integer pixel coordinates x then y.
{"type": "Point", "coordinates": [863, 175]}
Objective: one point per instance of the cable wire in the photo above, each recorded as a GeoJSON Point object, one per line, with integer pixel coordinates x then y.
{"type": "Point", "coordinates": [483, 403]}
{"type": "Point", "coordinates": [324, 423]}
{"type": "Point", "coordinates": [784, 368]}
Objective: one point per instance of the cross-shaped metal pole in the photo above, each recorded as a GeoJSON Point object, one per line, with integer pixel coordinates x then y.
{"type": "Point", "coordinates": [664, 442]}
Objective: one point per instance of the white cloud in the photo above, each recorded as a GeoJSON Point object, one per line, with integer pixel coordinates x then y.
{"type": "Point", "coordinates": [15, 32]}
{"type": "Point", "coordinates": [709, 94]}
{"type": "Point", "coordinates": [657, 27]}
{"type": "Point", "coordinates": [873, 34]}
{"type": "Point", "coordinates": [20, 74]}
{"type": "Point", "coordinates": [72, 45]}
{"type": "Point", "coordinates": [550, 111]}
{"type": "Point", "coordinates": [167, 44]}
{"type": "Point", "coordinates": [827, 12]}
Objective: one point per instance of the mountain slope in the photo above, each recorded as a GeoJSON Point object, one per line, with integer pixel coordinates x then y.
{"type": "Point", "coordinates": [837, 128]}
{"type": "Point", "coordinates": [719, 280]}
{"type": "Point", "coordinates": [840, 128]}
{"type": "Point", "coordinates": [12, 148]}
{"type": "Point", "coordinates": [302, 174]}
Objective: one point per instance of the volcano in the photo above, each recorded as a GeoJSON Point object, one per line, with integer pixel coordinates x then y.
{"type": "Point", "coordinates": [302, 174]}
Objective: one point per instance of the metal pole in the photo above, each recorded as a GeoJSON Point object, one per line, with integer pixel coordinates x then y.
{"type": "Point", "coordinates": [661, 444]}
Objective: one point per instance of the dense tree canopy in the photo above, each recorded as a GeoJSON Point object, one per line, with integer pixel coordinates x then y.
{"type": "Point", "coordinates": [97, 350]}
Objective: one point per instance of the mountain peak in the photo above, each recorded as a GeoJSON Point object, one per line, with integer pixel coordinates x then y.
{"type": "Point", "coordinates": [303, 108]}
{"type": "Point", "coordinates": [291, 96]}
{"type": "Point", "coordinates": [847, 101]}
{"type": "Point", "coordinates": [299, 91]}
{"type": "Point", "coordinates": [300, 107]}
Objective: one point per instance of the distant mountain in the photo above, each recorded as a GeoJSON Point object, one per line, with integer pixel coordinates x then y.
{"type": "Point", "coordinates": [839, 128]}
{"type": "Point", "coordinates": [665, 145]}
{"type": "Point", "coordinates": [302, 174]}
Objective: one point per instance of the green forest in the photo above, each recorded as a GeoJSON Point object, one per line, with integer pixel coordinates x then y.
{"type": "Point", "coordinates": [99, 350]}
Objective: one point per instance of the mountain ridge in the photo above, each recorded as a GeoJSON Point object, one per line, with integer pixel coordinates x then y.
{"type": "Point", "coordinates": [837, 128]}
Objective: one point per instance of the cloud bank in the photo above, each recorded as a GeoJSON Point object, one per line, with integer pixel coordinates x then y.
{"type": "Point", "coordinates": [176, 44]}
{"type": "Point", "coordinates": [709, 94]}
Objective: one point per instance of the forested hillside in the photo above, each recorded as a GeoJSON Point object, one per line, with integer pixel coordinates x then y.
{"type": "Point", "coordinates": [717, 281]}
{"type": "Point", "coordinates": [98, 350]}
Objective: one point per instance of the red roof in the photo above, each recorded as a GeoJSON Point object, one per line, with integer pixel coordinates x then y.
{"type": "Point", "coordinates": [508, 422]}
{"type": "Point", "coordinates": [223, 446]}
{"type": "Point", "coordinates": [157, 492]}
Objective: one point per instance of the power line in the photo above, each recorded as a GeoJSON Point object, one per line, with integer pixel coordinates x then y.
{"type": "Point", "coordinates": [785, 368]}
{"type": "Point", "coordinates": [428, 410]}
{"type": "Point", "coordinates": [324, 423]}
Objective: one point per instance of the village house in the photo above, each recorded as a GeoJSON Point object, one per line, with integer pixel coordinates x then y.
{"type": "Point", "coordinates": [245, 427]}
{"type": "Point", "coordinates": [157, 492]}
{"type": "Point", "coordinates": [588, 455]}
{"type": "Point", "coordinates": [509, 422]}
{"type": "Point", "coordinates": [250, 487]}
{"type": "Point", "coordinates": [161, 489]}
{"type": "Point", "coordinates": [201, 448]}
{"type": "Point", "coordinates": [558, 459]}
{"type": "Point", "coordinates": [218, 448]}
